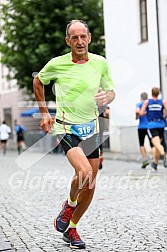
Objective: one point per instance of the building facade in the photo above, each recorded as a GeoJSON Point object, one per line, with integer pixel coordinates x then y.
{"type": "Point", "coordinates": [136, 48]}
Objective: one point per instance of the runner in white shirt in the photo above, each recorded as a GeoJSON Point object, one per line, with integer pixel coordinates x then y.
{"type": "Point", "coordinates": [5, 131]}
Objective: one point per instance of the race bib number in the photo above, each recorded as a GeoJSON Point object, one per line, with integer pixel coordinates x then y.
{"type": "Point", "coordinates": [83, 131]}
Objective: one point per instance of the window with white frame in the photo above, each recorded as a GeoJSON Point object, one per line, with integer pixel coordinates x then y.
{"type": "Point", "coordinates": [143, 20]}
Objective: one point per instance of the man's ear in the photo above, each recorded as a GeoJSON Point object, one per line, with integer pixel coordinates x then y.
{"type": "Point", "coordinates": [67, 41]}
{"type": "Point", "coordinates": [89, 38]}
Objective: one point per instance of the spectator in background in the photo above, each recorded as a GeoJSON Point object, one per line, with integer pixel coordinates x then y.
{"type": "Point", "coordinates": [20, 137]}
{"type": "Point", "coordinates": [142, 129]}
{"type": "Point", "coordinates": [5, 131]}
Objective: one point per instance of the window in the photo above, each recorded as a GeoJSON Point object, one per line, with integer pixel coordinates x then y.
{"type": "Point", "coordinates": [143, 20]}
{"type": "Point", "coordinates": [8, 116]}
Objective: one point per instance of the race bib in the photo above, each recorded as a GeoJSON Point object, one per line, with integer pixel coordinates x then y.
{"type": "Point", "coordinates": [83, 131]}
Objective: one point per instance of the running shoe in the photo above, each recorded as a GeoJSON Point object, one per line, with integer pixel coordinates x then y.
{"type": "Point", "coordinates": [154, 166]}
{"type": "Point", "coordinates": [72, 237]}
{"type": "Point", "coordinates": [100, 166]}
{"type": "Point", "coordinates": [62, 221]}
{"type": "Point", "coordinates": [144, 164]}
{"type": "Point", "coordinates": [163, 157]}
{"type": "Point", "coordinates": [165, 162]}
{"type": "Point", "coordinates": [100, 162]}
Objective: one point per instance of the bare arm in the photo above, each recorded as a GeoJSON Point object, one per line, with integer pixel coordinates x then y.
{"type": "Point", "coordinates": [137, 113]}
{"type": "Point", "coordinates": [46, 122]}
{"type": "Point", "coordinates": [142, 112]}
{"type": "Point", "coordinates": [110, 96]}
{"type": "Point", "coordinates": [165, 108]}
{"type": "Point", "coordinates": [103, 98]}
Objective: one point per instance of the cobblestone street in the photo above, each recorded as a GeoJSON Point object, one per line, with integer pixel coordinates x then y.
{"type": "Point", "coordinates": [128, 212]}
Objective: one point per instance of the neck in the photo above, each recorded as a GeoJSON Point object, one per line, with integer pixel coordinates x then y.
{"type": "Point", "coordinates": [81, 61]}
{"type": "Point", "coordinates": [79, 57]}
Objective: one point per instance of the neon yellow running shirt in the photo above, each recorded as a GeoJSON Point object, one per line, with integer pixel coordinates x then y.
{"type": "Point", "coordinates": [76, 86]}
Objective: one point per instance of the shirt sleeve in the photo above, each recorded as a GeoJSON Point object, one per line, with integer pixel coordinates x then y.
{"type": "Point", "coordinates": [138, 106]}
{"type": "Point", "coordinates": [106, 80]}
{"type": "Point", "coordinates": [23, 128]}
{"type": "Point", "coordinates": [16, 128]}
{"type": "Point", "coordinates": [47, 73]}
{"type": "Point", "coordinates": [8, 129]}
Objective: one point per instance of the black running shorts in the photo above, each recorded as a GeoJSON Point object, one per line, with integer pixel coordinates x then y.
{"type": "Point", "coordinates": [142, 133]}
{"type": "Point", "coordinates": [3, 141]}
{"type": "Point", "coordinates": [90, 146]}
{"type": "Point", "coordinates": [156, 132]}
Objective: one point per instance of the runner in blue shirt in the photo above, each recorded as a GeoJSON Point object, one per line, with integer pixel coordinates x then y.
{"type": "Point", "coordinates": [142, 129]}
{"type": "Point", "coordinates": [155, 110]}
{"type": "Point", "coordinates": [20, 137]}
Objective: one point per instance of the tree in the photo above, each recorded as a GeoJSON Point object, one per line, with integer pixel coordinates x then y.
{"type": "Point", "coordinates": [33, 32]}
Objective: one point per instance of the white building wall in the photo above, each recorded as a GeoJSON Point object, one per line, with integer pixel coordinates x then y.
{"type": "Point", "coordinates": [134, 65]}
{"type": "Point", "coordinates": [162, 7]}
{"type": "Point", "coordinates": [162, 4]}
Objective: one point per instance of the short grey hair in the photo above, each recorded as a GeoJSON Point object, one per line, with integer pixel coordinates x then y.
{"type": "Point", "coordinates": [144, 96]}
{"type": "Point", "coordinates": [76, 21]}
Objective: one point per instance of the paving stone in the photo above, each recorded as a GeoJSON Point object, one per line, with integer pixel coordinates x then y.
{"type": "Point", "coordinates": [5, 245]}
{"type": "Point", "coordinates": [126, 214]}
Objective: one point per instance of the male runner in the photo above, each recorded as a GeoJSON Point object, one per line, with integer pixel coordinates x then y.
{"type": "Point", "coordinates": [155, 111]}
{"type": "Point", "coordinates": [142, 129]}
{"type": "Point", "coordinates": [82, 83]}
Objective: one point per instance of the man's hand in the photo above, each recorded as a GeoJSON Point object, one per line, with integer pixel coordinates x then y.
{"type": "Point", "coordinates": [47, 123]}
{"type": "Point", "coordinates": [101, 98]}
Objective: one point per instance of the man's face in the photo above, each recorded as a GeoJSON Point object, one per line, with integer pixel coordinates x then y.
{"type": "Point", "coordinates": [78, 39]}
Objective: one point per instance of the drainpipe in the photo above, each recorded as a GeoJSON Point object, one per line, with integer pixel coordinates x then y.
{"type": "Point", "coordinates": [159, 48]}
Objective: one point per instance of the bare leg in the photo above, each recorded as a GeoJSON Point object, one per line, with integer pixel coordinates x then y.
{"type": "Point", "coordinates": [153, 152]}
{"type": "Point", "coordinates": [157, 144]}
{"type": "Point", "coordinates": [158, 149]}
{"type": "Point", "coordinates": [143, 152]}
{"type": "Point", "coordinates": [3, 145]}
{"type": "Point", "coordinates": [86, 194]}
{"type": "Point", "coordinates": [156, 156]}
{"type": "Point", "coordinates": [18, 147]}
{"type": "Point", "coordinates": [82, 184]}
{"type": "Point", "coordinates": [22, 145]}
